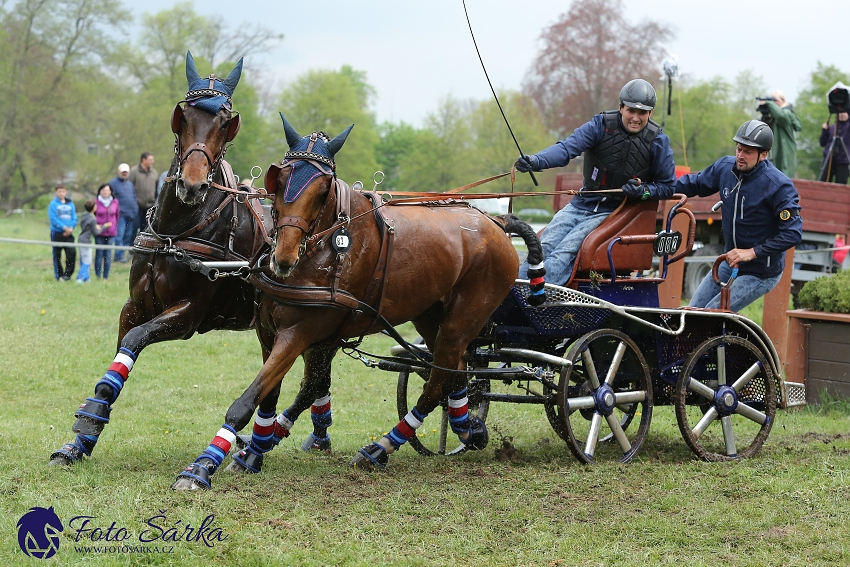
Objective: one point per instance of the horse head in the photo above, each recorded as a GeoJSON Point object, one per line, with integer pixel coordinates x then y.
{"type": "Point", "coordinates": [301, 184]}
{"type": "Point", "coordinates": [202, 129]}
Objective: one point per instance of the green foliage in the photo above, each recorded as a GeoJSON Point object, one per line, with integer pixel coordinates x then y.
{"type": "Point", "coordinates": [830, 294]}
{"type": "Point", "coordinates": [712, 111]}
{"type": "Point", "coordinates": [812, 110]}
{"type": "Point", "coordinates": [330, 101]}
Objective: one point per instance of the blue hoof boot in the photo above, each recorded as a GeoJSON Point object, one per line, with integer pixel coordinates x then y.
{"type": "Point", "coordinates": [316, 443]}
{"type": "Point", "coordinates": [370, 457]}
{"type": "Point", "coordinates": [194, 477]}
{"type": "Point", "coordinates": [478, 436]}
{"type": "Point", "coordinates": [246, 460]}
{"type": "Point", "coordinates": [92, 416]}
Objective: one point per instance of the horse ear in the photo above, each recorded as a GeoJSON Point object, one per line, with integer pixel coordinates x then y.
{"type": "Point", "coordinates": [292, 137]}
{"type": "Point", "coordinates": [233, 78]}
{"type": "Point", "coordinates": [335, 144]}
{"type": "Point", "coordinates": [192, 74]}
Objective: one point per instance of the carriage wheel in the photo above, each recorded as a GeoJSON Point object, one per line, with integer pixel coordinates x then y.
{"type": "Point", "coordinates": [726, 399]}
{"type": "Point", "coordinates": [605, 389]}
{"type": "Point", "coordinates": [436, 437]}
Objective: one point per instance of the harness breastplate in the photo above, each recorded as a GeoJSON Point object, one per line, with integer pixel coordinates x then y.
{"type": "Point", "coordinates": [619, 156]}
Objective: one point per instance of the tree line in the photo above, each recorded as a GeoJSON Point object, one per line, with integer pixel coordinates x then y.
{"type": "Point", "coordinates": [77, 102]}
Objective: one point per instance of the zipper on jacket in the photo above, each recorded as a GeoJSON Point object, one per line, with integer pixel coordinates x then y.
{"type": "Point", "coordinates": [742, 206]}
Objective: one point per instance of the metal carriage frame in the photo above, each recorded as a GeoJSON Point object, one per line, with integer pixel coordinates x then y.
{"type": "Point", "coordinates": [600, 354]}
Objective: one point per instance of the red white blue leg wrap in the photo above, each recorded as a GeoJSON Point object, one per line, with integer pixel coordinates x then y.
{"type": "Point", "coordinates": [406, 428]}
{"type": "Point", "coordinates": [459, 412]}
{"type": "Point", "coordinates": [118, 372]}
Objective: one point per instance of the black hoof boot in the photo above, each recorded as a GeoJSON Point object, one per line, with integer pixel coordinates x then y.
{"type": "Point", "coordinates": [92, 416]}
{"type": "Point", "coordinates": [242, 441]}
{"type": "Point", "coordinates": [370, 457]}
{"type": "Point", "coordinates": [66, 456]}
{"type": "Point", "coordinates": [313, 443]}
{"type": "Point", "coordinates": [247, 460]}
{"type": "Point", "coordinates": [478, 436]}
{"type": "Point", "coordinates": [194, 477]}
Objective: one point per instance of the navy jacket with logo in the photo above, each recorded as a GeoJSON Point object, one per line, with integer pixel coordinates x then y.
{"type": "Point", "coordinates": [761, 210]}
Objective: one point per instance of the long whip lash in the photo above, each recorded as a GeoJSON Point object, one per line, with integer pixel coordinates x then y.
{"type": "Point", "coordinates": [475, 43]}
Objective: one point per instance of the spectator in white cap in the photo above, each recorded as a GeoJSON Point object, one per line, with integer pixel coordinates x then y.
{"type": "Point", "coordinates": [128, 221]}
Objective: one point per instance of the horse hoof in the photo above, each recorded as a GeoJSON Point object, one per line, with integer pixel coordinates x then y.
{"type": "Point", "coordinates": [313, 443]}
{"type": "Point", "coordinates": [183, 484]}
{"type": "Point", "coordinates": [246, 461]}
{"type": "Point", "coordinates": [194, 477]}
{"type": "Point", "coordinates": [370, 458]}
{"type": "Point", "coordinates": [242, 441]}
{"type": "Point", "coordinates": [478, 436]}
{"type": "Point", "coordinates": [60, 461]}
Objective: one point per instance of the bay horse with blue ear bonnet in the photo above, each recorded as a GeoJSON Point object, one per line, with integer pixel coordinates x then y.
{"type": "Point", "coordinates": [343, 265]}
{"type": "Point", "coordinates": [196, 218]}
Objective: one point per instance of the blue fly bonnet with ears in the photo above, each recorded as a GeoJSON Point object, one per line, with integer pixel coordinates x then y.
{"type": "Point", "coordinates": [210, 93]}
{"type": "Point", "coordinates": [316, 148]}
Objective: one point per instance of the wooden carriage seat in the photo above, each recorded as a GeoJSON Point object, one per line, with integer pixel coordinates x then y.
{"type": "Point", "coordinates": [631, 218]}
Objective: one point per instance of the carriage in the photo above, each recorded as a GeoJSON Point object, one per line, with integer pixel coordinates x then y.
{"type": "Point", "coordinates": [600, 354]}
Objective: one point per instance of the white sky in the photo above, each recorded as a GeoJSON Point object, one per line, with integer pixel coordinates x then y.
{"type": "Point", "coordinates": [415, 53]}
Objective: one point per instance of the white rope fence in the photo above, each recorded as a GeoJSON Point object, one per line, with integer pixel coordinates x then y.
{"type": "Point", "coordinates": [66, 244]}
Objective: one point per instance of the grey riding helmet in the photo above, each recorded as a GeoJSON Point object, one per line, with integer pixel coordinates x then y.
{"type": "Point", "coordinates": [639, 94]}
{"type": "Point", "coordinates": [756, 134]}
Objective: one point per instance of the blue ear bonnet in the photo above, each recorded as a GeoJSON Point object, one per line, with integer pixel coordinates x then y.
{"type": "Point", "coordinates": [210, 93]}
{"type": "Point", "coordinates": [302, 173]}
{"type": "Point", "coordinates": [201, 96]}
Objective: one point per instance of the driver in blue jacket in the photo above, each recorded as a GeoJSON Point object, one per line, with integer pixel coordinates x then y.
{"type": "Point", "coordinates": [622, 148]}
{"type": "Point", "coordinates": [761, 217]}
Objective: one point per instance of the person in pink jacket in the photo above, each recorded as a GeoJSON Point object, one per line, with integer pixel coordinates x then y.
{"type": "Point", "coordinates": [106, 210]}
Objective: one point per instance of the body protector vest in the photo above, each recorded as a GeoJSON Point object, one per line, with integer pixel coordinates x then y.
{"type": "Point", "coordinates": [620, 156]}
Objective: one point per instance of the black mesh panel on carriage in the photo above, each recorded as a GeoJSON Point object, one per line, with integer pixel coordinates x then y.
{"type": "Point", "coordinates": [578, 318]}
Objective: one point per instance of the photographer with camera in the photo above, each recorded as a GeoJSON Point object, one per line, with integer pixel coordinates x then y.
{"type": "Point", "coordinates": [778, 113]}
{"type": "Point", "coordinates": [839, 167]}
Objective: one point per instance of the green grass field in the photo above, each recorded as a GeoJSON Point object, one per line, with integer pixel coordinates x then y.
{"type": "Point", "coordinates": [522, 501]}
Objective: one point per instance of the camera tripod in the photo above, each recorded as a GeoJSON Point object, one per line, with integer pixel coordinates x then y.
{"type": "Point", "coordinates": [827, 170]}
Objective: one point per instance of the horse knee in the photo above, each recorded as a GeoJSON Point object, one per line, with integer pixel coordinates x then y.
{"type": "Point", "coordinates": [239, 414]}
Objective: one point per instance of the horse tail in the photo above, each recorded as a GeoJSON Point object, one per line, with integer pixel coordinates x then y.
{"type": "Point", "coordinates": [536, 270]}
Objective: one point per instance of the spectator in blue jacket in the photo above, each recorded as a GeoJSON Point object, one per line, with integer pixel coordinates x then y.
{"type": "Point", "coordinates": [761, 217]}
{"type": "Point", "coordinates": [63, 219]}
{"type": "Point", "coordinates": [128, 222]}
{"type": "Point", "coordinates": [622, 149]}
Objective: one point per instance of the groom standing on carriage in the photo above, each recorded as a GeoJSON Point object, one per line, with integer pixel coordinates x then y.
{"type": "Point", "coordinates": [622, 149]}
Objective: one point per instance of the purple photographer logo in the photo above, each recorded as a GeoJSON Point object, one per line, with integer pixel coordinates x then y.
{"type": "Point", "coordinates": [38, 532]}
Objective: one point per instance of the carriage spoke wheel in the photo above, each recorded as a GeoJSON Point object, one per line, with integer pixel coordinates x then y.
{"type": "Point", "coordinates": [726, 399]}
{"type": "Point", "coordinates": [605, 397]}
{"type": "Point", "coordinates": [436, 437]}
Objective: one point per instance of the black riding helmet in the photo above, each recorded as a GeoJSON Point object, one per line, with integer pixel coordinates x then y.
{"type": "Point", "coordinates": [756, 134]}
{"type": "Point", "coordinates": [639, 94]}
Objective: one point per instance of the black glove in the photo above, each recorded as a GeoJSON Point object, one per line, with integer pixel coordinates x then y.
{"type": "Point", "coordinates": [633, 188]}
{"type": "Point", "coordinates": [527, 163]}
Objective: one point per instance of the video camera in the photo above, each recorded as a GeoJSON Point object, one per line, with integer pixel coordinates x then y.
{"type": "Point", "coordinates": [838, 98]}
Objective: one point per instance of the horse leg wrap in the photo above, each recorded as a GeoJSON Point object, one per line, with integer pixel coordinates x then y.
{"type": "Point", "coordinates": [282, 426]}
{"type": "Point", "coordinates": [93, 414]}
{"type": "Point", "coordinates": [536, 283]}
{"type": "Point", "coordinates": [207, 463]}
{"type": "Point", "coordinates": [459, 413]}
{"type": "Point", "coordinates": [320, 414]}
{"type": "Point", "coordinates": [406, 428]}
{"type": "Point", "coordinates": [260, 442]}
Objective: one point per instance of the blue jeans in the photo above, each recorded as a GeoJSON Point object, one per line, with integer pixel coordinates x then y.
{"type": "Point", "coordinates": [561, 241]}
{"type": "Point", "coordinates": [66, 271]}
{"type": "Point", "coordinates": [745, 289]}
{"type": "Point", "coordinates": [126, 233]}
{"type": "Point", "coordinates": [103, 258]}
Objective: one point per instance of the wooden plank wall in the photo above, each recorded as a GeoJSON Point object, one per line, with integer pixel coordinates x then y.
{"type": "Point", "coordinates": [829, 361]}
